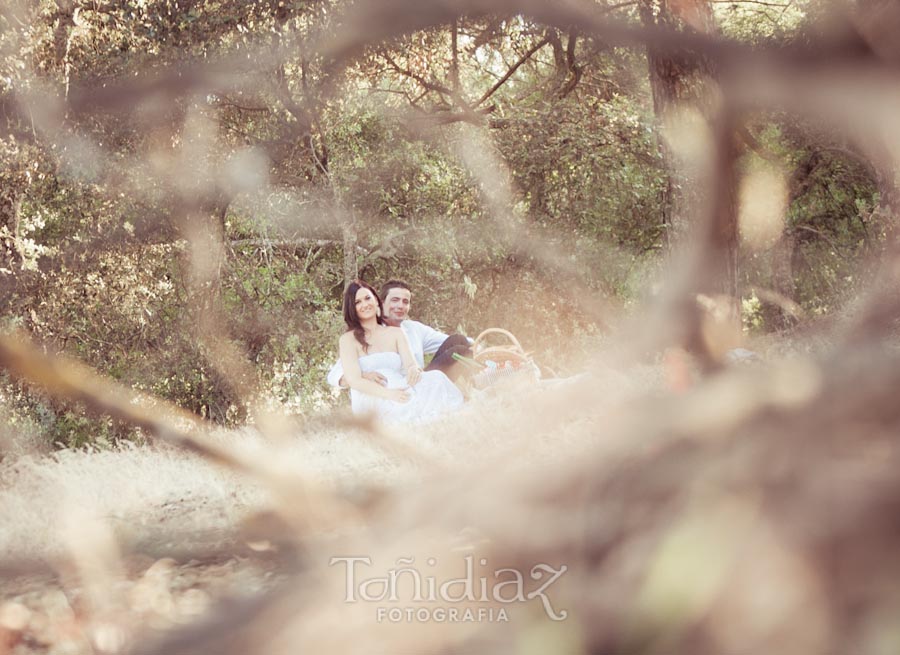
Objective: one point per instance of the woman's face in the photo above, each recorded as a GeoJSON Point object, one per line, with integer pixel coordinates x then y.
{"type": "Point", "coordinates": [366, 304]}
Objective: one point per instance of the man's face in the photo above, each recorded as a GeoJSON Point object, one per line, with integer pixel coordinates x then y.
{"type": "Point", "coordinates": [396, 304]}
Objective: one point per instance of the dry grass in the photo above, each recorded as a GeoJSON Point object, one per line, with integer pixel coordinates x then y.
{"type": "Point", "coordinates": [142, 506]}
{"type": "Point", "coordinates": [146, 492]}
{"type": "Point", "coordinates": [748, 510]}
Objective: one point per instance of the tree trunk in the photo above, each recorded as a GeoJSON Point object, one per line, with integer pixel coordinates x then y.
{"type": "Point", "coordinates": [700, 212]}
{"type": "Point", "coordinates": [888, 210]}
{"type": "Point", "coordinates": [351, 269]}
{"type": "Point", "coordinates": [782, 283]}
{"type": "Point", "coordinates": [724, 237]}
{"type": "Point", "coordinates": [678, 80]}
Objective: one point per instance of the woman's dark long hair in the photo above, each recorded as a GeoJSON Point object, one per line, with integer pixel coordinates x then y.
{"type": "Point", "coordinates": [350, 316]}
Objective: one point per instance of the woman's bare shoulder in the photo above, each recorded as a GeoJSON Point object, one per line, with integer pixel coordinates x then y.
{"type": "Point", "coordinates": [347, 338]}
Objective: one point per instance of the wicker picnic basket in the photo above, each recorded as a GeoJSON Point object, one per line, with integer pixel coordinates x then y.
{"type": "Point", "coordinates": [503, 359]}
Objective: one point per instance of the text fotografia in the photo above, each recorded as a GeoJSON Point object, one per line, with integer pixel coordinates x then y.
{"type": "Point", "coordinates": [404, 583]}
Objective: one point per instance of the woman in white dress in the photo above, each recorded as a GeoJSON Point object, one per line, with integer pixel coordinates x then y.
{"type": "Point", "coordinates": [410, 395]}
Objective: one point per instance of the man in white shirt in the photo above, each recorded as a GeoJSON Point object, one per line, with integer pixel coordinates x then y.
{"type": "Point", "coordinates": [397, 298]}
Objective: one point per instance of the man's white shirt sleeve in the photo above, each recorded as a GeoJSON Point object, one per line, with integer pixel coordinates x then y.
{"type": "Point", "coordinates": [423, 339]}
{"type": "Point", "coordinates": [335, 374]}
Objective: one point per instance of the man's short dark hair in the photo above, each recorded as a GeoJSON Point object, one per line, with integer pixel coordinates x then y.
{"type": "Point", "coordinates": [393, 284]}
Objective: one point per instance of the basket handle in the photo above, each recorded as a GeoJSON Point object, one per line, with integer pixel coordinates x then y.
{"type": "Point", "coordinates": [509, 335]}
{"type": "Point", "coordinates": [495, 352]}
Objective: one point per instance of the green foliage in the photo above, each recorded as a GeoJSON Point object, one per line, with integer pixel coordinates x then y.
{"type": "Point", "coordinates": [830, 226]}
{"type": "Point", "coordinates": [762, 22]}
{"type": "Point", "coordinates": [91, 228]}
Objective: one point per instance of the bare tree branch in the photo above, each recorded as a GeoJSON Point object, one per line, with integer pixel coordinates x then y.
{"type": "Point", "coordinates": [512, 69]}
{"type": "Point", "coordinates": [425, 84]}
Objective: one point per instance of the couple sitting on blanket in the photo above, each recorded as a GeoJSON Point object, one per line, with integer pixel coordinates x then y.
{"type": "Point", "coordinates": [382, 357]}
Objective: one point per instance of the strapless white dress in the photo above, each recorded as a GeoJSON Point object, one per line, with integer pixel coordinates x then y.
{"type": "Point", "coordinates": [433, 395]}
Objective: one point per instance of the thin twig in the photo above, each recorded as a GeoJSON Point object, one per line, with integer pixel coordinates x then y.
{"type": "Point", "coordinates": [512, 69]}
